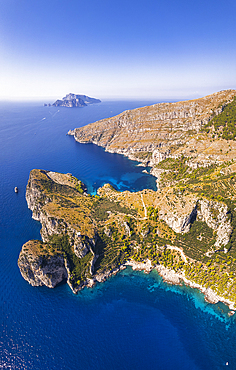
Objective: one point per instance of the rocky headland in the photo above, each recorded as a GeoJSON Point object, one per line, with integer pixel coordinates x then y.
{"type": "Point", "coordinates": [73, 100]}
{"type": "Point", "coordinates": [186, 230]}
{"type": "Point", "coordinates": [86, 239]}
{"type": "Point", "coordinates": [167, 130]}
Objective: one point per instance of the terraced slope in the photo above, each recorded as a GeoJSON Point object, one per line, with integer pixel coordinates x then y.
{"type": "Point", "coordinates": [160, 131]}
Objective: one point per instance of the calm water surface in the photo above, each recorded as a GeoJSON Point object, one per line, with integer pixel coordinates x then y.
{"type": "Point", "coordinates": [133, 321]}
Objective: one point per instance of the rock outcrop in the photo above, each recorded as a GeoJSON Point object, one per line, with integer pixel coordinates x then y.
{"type": "Point", "coordinates": [39, 268]}
{"type": "Point", "coordinates": [213, 213]}
{"type": "Point", "coordinates": [52, 224]}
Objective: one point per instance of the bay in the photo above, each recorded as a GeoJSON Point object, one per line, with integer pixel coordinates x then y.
{"type": "Point", "coordinates": [134, 320]}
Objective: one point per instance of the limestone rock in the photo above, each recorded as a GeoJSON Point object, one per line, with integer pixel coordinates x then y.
{"type": "Point", "coordinates": [52, 225]}
{"type": "Point", "coordinates": [166, 130]}
{"type": "Point", "coordinates": [215, 215]}
{"type": "Point", "coordinates": [35, 199]}
{"type": "Point", "coordinates": [39, 269]}
{"type": "Point", "coordinates": [107, 232]}
{"type": "Point", "coordinates": [81, 249]}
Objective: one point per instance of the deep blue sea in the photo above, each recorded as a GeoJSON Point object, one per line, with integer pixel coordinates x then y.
{"type": "Point", "coordinates": [132, 321]}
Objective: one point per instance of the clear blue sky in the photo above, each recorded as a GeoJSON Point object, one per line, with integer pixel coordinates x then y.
{"type": "Point", "coordinates": [109, 49]}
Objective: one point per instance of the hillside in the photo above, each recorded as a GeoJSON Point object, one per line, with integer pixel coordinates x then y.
{"type": "Point", "coordinates": [186, 229]}
{"type": "Point", "coordinates": [167, 130]}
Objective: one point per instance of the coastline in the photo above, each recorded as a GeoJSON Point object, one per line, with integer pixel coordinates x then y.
{"type": "Point", "coordinates": [36, 259]}
{"type": "Point", "coordinates": [195, 195]}
{"type": "Point", "coordinates": [169, 276]}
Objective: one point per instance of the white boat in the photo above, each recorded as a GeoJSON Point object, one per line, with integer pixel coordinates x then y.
{"type": "Point", "coordinates": [16, 189]}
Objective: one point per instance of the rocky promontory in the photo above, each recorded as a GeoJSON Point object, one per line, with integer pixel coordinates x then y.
{"type": "Point", "coordinates": [183, 231]}
{"type": "Point", "coordinates": [186, 230]}
{"type": "Point", "coordinates": [167, 130]}
{"type": "Point", "coordinates": [74, 100]}
{"type": "Point", "coordinates": [40, 266]}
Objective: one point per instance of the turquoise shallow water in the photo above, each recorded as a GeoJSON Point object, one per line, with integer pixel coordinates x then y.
{"type": "Point", "coordinates": [134, 320]}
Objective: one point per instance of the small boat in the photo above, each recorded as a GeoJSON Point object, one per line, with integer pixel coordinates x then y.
{"type": "Point", "coordinates": [16, 189]}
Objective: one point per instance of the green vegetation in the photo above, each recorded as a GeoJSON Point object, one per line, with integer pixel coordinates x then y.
{"type": "Point", "coordinates": [224, 124]}
{"type": "Point", "coordinates": [123, 231]}
{"type": "Point", "coordinates": [103, 206]}
{"type": "Point", "coordinates": [79, 187]}
{"type": "Point", "coordinates": [79, 267]}
{"type": "Point", "coordinates": [143, 156]}
{"type": "Point", "coordinates": [197, 241]}
{"type": "Point", "coordinates": [152, 213]}
{"type": "Point", "coordinates": [231, 246]}
{"type": "Point", "coordinates": [52, 187]}
{"type": "Point", "coordinates": [113, 251]}
{"type": "Point", "coordinates": [178, 172]}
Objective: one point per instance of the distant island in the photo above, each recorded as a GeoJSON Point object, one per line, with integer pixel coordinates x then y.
{"type": "Point", "coordinates": [186, 230]}
{"type": "Point", "coordinates": [73, 100]}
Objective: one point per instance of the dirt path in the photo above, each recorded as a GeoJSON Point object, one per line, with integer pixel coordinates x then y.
{"type": "Point", "coordinates": [145, 209]}
{"type": "Point", "coordinates": [179, 250]}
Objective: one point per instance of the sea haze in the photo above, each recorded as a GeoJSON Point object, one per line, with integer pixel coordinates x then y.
{"type": "Point", "coordinates": [132, 321]}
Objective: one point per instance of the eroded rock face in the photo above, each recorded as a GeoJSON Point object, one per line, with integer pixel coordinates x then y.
{"type": "Point", "coordinates": [108, 232]}
{"type": "Point", "coordinates": [34, 198]}
{"type": "Point", "coordinates": [154, 129]}
{"type": "Point", "coordinates": [41, 270]}
{"type": "Point", "coordinates": [81, 249]}
{"type": "Point", "coordinates": [215, 215]}
{"type": "Point", "coordinates": [52, 225]}
{"type": "Point", "coordinates": [212, 212]}
{"type": "Point", "coordinates": [180, 223]}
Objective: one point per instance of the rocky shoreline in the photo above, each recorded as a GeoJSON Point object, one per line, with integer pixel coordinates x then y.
{"type": "Point", "coordinates": [169, 276]}
{"type": "Point", "coordinates": [51, 271]}
{"type": "Point", "coordinates": [166, 130]}
{"type": "Point", "coordinates": [69, 229]}
{"type": "Point", "coordinates": [172, 277]}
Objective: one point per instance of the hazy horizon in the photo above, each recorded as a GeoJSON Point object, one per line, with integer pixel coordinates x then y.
{"type": "Point", "coordinates": [120, 50]}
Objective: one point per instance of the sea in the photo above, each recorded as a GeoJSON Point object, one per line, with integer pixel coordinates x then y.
{"type": "Point", "coordinates": [132, 321]}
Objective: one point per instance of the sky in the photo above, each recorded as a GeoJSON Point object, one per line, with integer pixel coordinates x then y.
{"type": "Point", "coordinates": [114, 49]}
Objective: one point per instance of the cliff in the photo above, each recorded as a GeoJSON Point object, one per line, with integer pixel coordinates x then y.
{"type": "Point", "coordinates": [73, 100]}
{"type": "Point", "coordinates": [184, 231]}
{"type": "Point", "coordinates": [39, 265]}
{"type": "Point", "coordinates": [167, 130]}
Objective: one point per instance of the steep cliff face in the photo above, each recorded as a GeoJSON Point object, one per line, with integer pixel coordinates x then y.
{"type": "Point", "coordinates": [35, 198]}
{"type": "Point", "coordinates": [52, 223]}
{"type": "Point", "coordinates": [213, 213]}
{"type": "Point", "coordinates": [215, 216]}
{"type": "Point", "coordinates": [39, 268]}
{"type": "Point", "coordinates": [61, 204]}
{"type": "Point", "coordinates": [160, 130]}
